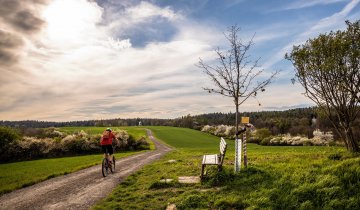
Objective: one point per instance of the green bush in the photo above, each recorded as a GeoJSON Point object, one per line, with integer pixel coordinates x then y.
{"type": "Point", "coordinates": [7, 135]}
{"type": "Point", "coordinates": [265, 141]}
{"type": "Point", "coordinates": [262, 133]}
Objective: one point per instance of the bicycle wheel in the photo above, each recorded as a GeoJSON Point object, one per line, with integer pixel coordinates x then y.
{"type": "Point", "coordinates": [113, 164]}
{"type": "Point", "coordinates": [105, 167]}
{"type": "Point", "coordinates": [110, 167]}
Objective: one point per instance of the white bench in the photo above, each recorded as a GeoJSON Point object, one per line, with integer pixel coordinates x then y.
{"type": "Point", "coordinates": [216, 159]}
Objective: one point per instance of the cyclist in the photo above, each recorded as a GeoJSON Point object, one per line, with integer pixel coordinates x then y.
{"type": "Point", "coordinates": [106, 144]}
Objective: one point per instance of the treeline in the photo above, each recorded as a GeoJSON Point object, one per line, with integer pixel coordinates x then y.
{"type": "Point", "coordinates": [259, 119]}
{"type": "Point", "coordinates": [300, 121]}
{"type": "Point", "coordinates": [99, 123]}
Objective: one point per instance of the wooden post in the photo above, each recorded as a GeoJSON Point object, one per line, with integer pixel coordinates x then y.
{"type": "Point", "coordinates": [246, 121]}
{"type": "Point", "coordinates": [244, 143]}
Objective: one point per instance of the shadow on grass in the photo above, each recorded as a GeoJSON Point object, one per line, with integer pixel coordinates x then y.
{"type": "Point", "coordinates": [250, 177]}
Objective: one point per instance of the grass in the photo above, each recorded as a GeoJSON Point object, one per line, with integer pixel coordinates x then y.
{"type": "Point", "coordinates": [186, 139]}
{"type": "Point", "coordinates": [20, 174]}
{"type": "Point", "coordinates": [278, 177]}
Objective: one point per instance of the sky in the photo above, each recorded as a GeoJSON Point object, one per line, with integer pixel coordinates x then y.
{"type": "Point", "coordinates": [66, 60]}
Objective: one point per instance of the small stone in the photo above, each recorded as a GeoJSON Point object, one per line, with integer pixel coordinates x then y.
{"type": "Point", "coordinates": [189, 179]}
{"type": "Point", "coordinates": [166, 180]}
{"type": "Point", "coordinates": [171, 207]}
{"type": "Point", "coordinates": [171, 161]}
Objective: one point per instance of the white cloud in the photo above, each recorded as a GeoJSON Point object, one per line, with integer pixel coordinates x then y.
{"type": "Point", "coordinates": [145, 10]}
{"type": "Point", "coordinates": [309, 3]}
{"type": "Point", "coordinates": [123, 20]}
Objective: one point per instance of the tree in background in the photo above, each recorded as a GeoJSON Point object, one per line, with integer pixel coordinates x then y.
{"type": "Point", "coordinates": [328, 67]}
{"type": "Point", "coordinates": [235, 75]}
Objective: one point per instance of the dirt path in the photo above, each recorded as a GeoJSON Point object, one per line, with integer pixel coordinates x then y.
{"type": "Point", "coordinates": [82, 189]}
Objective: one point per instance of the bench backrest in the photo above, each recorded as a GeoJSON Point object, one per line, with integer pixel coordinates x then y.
{"type": "Point", "coordinates": [223, 146]}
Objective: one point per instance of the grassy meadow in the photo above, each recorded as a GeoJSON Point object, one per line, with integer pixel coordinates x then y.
{"type": "Point", "coordinates": [20, 174]}
{"type": "Point", "coordinates": [278, 177]}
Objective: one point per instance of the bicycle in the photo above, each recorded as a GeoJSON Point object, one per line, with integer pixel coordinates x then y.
{"type": "Point", "coordinates": [106, 166]}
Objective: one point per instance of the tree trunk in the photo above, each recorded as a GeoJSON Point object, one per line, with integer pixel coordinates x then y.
{"type": "Point", "coordinates": [351, 142]}
{"type": "Point", "coordinates": [237, 164]}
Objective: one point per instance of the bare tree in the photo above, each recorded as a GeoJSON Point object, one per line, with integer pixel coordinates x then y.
{"type": "Point", "coordinates": [235, 75]}
{"type": "Point", "coordinates": [328, 67]}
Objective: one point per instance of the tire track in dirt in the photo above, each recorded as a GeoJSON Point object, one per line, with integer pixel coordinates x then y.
{"type": "Point", "coordinates": [81, 189]}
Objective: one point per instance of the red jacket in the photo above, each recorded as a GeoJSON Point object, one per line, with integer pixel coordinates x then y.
{"type": "Point", "coordinates": [107, 141]}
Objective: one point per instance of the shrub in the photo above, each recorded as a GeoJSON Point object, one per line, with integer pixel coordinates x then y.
{"type": "Point", "coordinates": [52, 133]}
{"type": "Point", "coordinates": [265, 141]}
{"type": "Point", "coordinates": [220, 131]}
{"type": "Point", "coordinates": [262, 133]}
{"type": "Point", "coordinates": [208, 129]}
{"type": "Point", "coordinates": [230, 132]}
{"type": "Point", "coordinates": [7, 135]}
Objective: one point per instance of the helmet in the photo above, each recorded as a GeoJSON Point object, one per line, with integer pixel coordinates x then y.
{"type": "Point", "coordinates": [108, 129]}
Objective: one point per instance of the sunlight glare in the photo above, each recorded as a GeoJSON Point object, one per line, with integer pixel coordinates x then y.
{"type": "Point", "coordinates": [71, 20]}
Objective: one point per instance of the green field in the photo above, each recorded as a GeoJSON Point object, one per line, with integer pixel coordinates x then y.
{"type": "Point", "coordinates": [278, 177]}
{"type": "Point", "coordinates": [187, 139]}
{"type": "Point", "coordinates": [17, 175]}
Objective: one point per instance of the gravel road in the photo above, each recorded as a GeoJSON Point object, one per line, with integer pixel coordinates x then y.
{"type": "Point", "coordinates": [82, 189]}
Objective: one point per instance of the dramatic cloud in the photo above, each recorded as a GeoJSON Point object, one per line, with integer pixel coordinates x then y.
{"type": "Point", "coordinates": [86, 59]}
{"type": "Point", "coordinates": [16, 19]}
{"type": "Point", "coordinates": [8, 44]}
{"type": "Point", "coordinates": [22, 15]}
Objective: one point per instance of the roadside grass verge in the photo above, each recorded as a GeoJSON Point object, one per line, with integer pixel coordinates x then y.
{"type": "Point", "coordinates": [278, 177]}
{"type": "Point", "coordinates": [21, 174]}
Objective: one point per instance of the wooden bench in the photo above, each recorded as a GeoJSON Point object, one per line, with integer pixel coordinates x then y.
{"type": "Point", "coordinates": [216, 159]}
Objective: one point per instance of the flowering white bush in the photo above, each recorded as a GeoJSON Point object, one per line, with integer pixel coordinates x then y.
{"type": "Point", "coordinates": [230, 131]}
{"type": "Point", "coordinates": [208, 129]}
{"type": "Point", "coordinates": [320, 139]}
{"type": "Point", "coordinates": [220, 130]}
{"type": "Point", "coordinates": [82, 134]}
{"type": "Point", "coordinates": [69, 138]}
